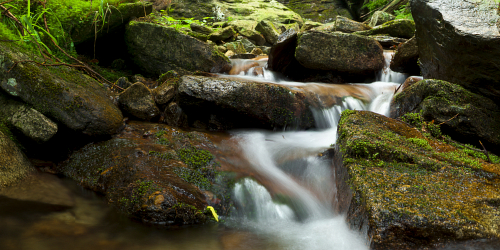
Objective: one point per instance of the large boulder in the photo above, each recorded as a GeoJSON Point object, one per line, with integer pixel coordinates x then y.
{"type": "Point", "coordinates": [154, 173]}
{"type": "Point", "coordinates": [243, 104]}
{"type": "Point", "coordinates": [339, 52]}
{"type": "Point", "coordinates": [158, 49]}
{"type": "Point", "coordinates": [14, 165]}
{"type": "Point", "coordinates": [405, 59]}
{"type": "Point", "coordinates": [407, 190]}
{"type": "Point", "coordinates": [61, 93]}
{"type": "Point", "coordinates": [466, 117]}
{"type": "Point", "coordinates": [320, 11]}
{"type": "Point", "coordinates": [459, 42]}
{"type": "Point", "coordinates": [403, 28]}
{"type": "Point", "coordinates": [26, 120]}
{"type": "Point", "coordinates": [282, 56]}
{"type": "Point", "coordinates": [268, 30]}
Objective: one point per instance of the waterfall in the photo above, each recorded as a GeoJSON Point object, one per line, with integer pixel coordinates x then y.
{"type": "Point", "coordinates": [299, 209]}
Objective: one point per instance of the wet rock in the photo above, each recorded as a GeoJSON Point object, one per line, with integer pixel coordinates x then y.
{"type": "Point", "coordinates": [405, 59]}
{"type": "Point", "coordinates": [380, 17]}
{"type": "Point", "coordinates": [154, 173]}
{"type": "Point", "coordinates": [200, 28]}
{"type": "Point", "coordinates": [460, 45]}
{"type": "Point", "coordinates": [282, 55]}
{"type": "Point", "coordinates": [256, 51]}
{"type": "Point", "coordinates": [86, 30]}
{"type": "Point", "coordinates": [138, 101]}
{"type": "Point", "coordinates": [164, 93]}
{"type": "Point", "coordinates": [27, 120]}
{"type": "Point", "coordinates": [268, 30]}
{"type": "Point", "coordinates": [389, 42]}
{"type": "Point", "coordinates": [14, 165]}
{"type": "Point", "coordinates": [244, 56]}
{"type": "Point", "coordinates": [175, 116]}
{"type": "Point", "coordinates": [236, 47]}
{"type": "Point", "coordinates": [343, 24]}
{"type": "Point", "coordinates": [466, 117]}
{"type": "Point", "coordinates": [61, 93]}
{"type": "Point", "coordinates": [123, 82]}
{"type": "Point", "coordinates": [247, 104]}
{"type": "Point", "coordinates": [320, 11]}
{"type": "Point", "coordinates": [339, 52]}
{"type": "Point", "coordinates": [402, 28]}
{"type": "Point", "coordinates": [158, 49]}
{"type": "Point", "coordinates": [407, 190]}
{"type": "Point", "coordinates": [222, 34]}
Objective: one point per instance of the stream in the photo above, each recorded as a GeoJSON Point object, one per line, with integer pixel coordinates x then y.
{"type": "Point", "coordinates": [295, 210]}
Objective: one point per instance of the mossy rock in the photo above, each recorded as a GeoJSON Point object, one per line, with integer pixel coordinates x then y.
{"type": "Point", "coordinates": [403, 28]}
{"type": "Point", "coordinates": [61, 93]}
{"type": "Point", "coordinates": [320, 11]}
{"type": "Point", "coordinates": [14, 165]}
{"type": "Point", "coordinates": [408, 190]}
{"type": "Point", "coordinates": [466, 117]}
{"type": "Point", "coordinates": [154, 173]}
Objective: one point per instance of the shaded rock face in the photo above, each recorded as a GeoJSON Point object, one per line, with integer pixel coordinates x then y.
{"type": "Point", "coordinates": [320, 11]}
{"type": "Point", "coordinates": [25, 119]}
{"type": "Point", "coordinates": [405, 59]}
{"type": "Point", "coordinates": [158, 49]}
{"type": "Point", "coordinates": [14, 165]}
{"type": "Point", "coordinates": [62, 94]}
{"type": "Point", "coordinates": [380, 17]}
{"type": "Point", "coordinates": [403, 28]}
{"type": "Point", "coordinates": [138, 101]}
{"type": "Point", "coordinates": [114, 19]}
{"type": "Point", "coordinates": [339, 52]}
{"type": "Point", "coordinates": [407, 190]}
{"type": "Point", "coordinates": [460, 43]}
{"type": "Point", "coordinates": [243, 103]}
{"type": "Point", "coordinates": [467, 117]}
{"type": "Point", "coordinates": [282, 56]}
{"type": "Point", "coordinates": [388, 42]}
{"type": "Point", "coordinates": [154, 173]}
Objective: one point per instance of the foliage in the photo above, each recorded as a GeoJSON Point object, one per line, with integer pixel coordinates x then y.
{"type": "Point", "coordinates": [163, 19]}
{"type": "Point", "coordinates": [375, 4]}
{"type": "Point", "coordinates": [403, 12]}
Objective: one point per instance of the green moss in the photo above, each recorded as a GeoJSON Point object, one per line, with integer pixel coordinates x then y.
{"type": "Point", "coordinates": [420, 142]}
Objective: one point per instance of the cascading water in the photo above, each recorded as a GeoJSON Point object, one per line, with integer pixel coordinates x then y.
{"type": "Point", "coordinates": [299, 213]}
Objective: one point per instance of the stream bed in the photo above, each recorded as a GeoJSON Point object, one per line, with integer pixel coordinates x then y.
{"type": "Point", "coordinates": [295, 210]}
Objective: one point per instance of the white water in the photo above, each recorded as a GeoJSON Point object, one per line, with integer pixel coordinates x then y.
{"type": "Point", "coordinates": [305, 218]}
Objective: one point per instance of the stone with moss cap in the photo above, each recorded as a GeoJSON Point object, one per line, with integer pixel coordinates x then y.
{"type": "Point", "coordinates": [467, 117]}
{"type": "Point", "coordinates": [158, 49]}
{"type": "Point", "coordinates": [59, 92]}
{"type": "Point", "coordinates": [408, 190]}
{"type": "Point", "coordinates": [320, 11]}
{"type": "Point", "coordinates": [137, 100]}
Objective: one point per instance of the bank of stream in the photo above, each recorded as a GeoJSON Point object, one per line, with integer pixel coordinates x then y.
{"type": "Point", "coordinates": [291, 206]}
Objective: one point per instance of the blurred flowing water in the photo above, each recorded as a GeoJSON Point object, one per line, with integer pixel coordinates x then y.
{"type": "Point", "coordinates": [292, 209]}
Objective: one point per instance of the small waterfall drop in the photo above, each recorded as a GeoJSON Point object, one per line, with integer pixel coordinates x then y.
{"type": "Point", "coordinates": [296, 204]}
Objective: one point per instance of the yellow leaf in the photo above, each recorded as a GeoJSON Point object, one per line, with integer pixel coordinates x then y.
{"type": "Point", "coordinates": [213, 213]}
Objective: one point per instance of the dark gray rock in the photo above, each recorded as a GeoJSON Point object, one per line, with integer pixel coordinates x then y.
{"type": "Point", "coordinates": [123, 82]}
{"type": "Point", "coordinates": [459, 42]}
{"type": "Point", "coordinates": [164, 93]}
{"type": "Point", "coordinates": [339, 52]}
{"type": "Point", "coordinates": [175, 116]}
{"type": "Point", "coordinates": [138, 101]}
{"type": "Point", "coordinates": [388, 41]}
{"type": "Point", "coordinates": [158, 49]}
{"type": "Point", "coordinates": [405, 59]}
